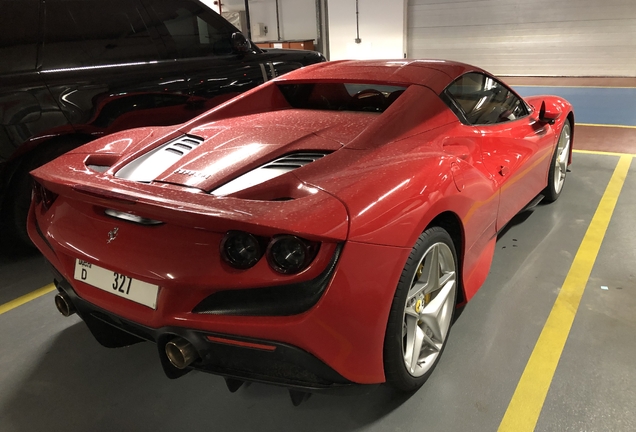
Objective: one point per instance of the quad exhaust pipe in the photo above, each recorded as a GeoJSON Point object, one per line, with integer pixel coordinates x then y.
{"type": "Point", "coordinates": [64, 305]}
{"type": "Point", "coordinates": [181, 353]}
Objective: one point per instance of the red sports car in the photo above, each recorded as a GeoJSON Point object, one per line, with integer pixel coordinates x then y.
{"type": "Point", "coordinates": [315, 232]}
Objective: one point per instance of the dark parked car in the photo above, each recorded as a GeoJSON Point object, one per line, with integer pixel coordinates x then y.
{"type": "Point", "coordinates": [74, 70]}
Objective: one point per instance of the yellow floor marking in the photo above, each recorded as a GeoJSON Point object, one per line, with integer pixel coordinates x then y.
{"type": "Point", "coordinates": [605, 125]}
{"type": "Point", "coordinates": [603, 153]}
{"type": "Point", "coordinates": [26, 298]}
{"type": "Point", "coordinates": [527, 401]}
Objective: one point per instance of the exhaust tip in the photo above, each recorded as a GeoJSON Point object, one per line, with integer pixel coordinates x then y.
{"type": "Point", "coordinates": [181, 353]}
{"type": "Point", "coordinates": [64, 305]}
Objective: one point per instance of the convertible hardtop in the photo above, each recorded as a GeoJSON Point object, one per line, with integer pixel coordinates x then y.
{"type": "Point", "coordinates": [435, 74]}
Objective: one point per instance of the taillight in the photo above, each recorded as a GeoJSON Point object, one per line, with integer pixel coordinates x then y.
{"type": "Point", "coordinates": [240, 249]}
{"type": "Point", "coordinates": [289, 254]}
{"type": "Point", "coordinates": [285, 253]}
{"type": "Point", "coordinates": [42, 195]}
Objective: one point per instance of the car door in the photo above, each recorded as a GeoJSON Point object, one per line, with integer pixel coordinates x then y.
{"type": "Point", "coordinates": [106, 69]}
{"type": "Point", "coordinates": [515, 148]}
{"type": "Point", "coordinates": [200, 42]}
{"type": "Point", "coordinates": [22, 92]}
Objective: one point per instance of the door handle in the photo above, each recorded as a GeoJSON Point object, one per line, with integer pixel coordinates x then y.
{"type": "Point", "coordinates": [504, 170]}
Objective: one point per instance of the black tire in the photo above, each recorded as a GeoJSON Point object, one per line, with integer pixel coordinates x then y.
{"type": "Point", "coordinates": [558, 166]}
{"type": "Point", "coordinates": [15, 207]}
{"type": "Point", "coordinates": [433, 241]}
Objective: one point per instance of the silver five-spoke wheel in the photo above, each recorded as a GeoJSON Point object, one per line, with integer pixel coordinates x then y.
{"type": "Point", "coordinates": [422, 310]}
{"type": "Point", "coordinates": [429, 309]}
{"type": "Point", "coordinates": [559, 165]}
{"type": "Point", "coordinates": [562, 156]}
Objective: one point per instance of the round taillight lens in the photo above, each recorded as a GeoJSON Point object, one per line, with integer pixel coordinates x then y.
{"type": "Point", "coordinates": [240, 249]}
{"type": "Point", "coordinates": [289, 254]}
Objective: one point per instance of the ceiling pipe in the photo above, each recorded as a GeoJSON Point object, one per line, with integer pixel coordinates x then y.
{"type": "Point", "coordinates": [277, 20]}
{"type": "Point", "coordinates": [247, 20]}
{"type": "Point", "coordinates": [358, 40]}
{"type": "Point", "coordinates": [322, 29]}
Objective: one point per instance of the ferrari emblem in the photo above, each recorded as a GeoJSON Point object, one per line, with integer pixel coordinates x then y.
{"type": "Point", "coordinates": [112, 235]}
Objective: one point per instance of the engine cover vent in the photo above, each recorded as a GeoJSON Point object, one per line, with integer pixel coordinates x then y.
{"type": "Point", "coordinates": [147, 167]}
{"type": "Point", "coordinates": [295, 160]}
{"type": "Point", "coordinates": [269, 171]}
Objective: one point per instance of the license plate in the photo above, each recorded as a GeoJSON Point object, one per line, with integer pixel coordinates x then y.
{"type": "Point", "coordinates": [117, 283]}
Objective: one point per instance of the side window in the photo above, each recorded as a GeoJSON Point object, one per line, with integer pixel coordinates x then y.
{"type": "Point", "coordinates": [18, 35]}
{"type": "Point", "coordinates": [190, 29]}
{"type": "Point", "coordinates": [484, 100]}
{"type": "Point", "coordinates": [95, 32]}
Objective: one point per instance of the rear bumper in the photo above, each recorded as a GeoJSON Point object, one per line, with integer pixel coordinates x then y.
{"type": "Point", "coordinates": [337, 341]}
{"type": "Point", "coordinates": [239, 358]}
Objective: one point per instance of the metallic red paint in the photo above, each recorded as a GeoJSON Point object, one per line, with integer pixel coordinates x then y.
{"type": "Point", "coordinates": [388, 177]}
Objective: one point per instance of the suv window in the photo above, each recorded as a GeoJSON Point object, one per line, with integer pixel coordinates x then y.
{"type": "Point", "coordinates": [189, 29]}
{"type": "Point", "coordinates": [484, 100]}
{"type": "Point", "coordinates": [18, 34]}
{"type": "Point", "coordinates": [95, 32]}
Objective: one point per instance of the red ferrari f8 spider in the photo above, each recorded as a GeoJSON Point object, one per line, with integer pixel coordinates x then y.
{"type": "Point", "coordinates": [315, 232]}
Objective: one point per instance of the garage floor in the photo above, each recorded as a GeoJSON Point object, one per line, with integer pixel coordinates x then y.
{"type": "Point", "coordinates": [512, 363]}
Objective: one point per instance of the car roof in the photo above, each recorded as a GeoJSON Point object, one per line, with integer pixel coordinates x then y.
{"type": "Point", "coordinates": [435, 74]}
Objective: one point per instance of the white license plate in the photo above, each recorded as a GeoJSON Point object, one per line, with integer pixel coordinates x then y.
{"type": "Point", "coordinates": [117, 283]}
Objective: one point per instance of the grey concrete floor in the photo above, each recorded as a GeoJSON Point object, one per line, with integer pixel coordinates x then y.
{"type": "Point", "coordinates": [21, 273]}
{"type": "Point", "coordinates": [54, 376]}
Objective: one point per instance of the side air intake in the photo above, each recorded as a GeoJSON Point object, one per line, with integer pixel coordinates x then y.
{"type": "Point", "coordinates": [269, 171]}
{"type": "Point", "coordinates": [147, 167]}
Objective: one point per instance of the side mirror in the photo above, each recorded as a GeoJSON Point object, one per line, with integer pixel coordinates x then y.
{"type": "Point", "coordinates": [240, 44]}
{"type": "Point", "coordinates": [549, 114]}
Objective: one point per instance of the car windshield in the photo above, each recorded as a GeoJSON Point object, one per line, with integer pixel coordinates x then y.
{"type": "Point", "coordinates": [341, 96]}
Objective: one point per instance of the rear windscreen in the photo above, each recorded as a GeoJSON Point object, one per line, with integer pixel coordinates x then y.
{"type": "Point", "coordinates": [341, 96]}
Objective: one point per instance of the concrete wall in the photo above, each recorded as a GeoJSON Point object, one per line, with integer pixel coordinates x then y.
{"type": "Point", "coordinates": [521, 37]}
{"type": "Point", "coordinates": [263, 12]}
{"type": "Point", "coordinates": [382, 29]}
{"type": "Point", "coordinates": [211, 5]}
{"type": "Point", "coordinates": [297, 17]}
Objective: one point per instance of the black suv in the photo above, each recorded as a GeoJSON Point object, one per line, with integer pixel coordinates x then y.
{"type": "Point", "coordinates": [75, 70]}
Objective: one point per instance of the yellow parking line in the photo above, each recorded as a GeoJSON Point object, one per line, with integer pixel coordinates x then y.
{"type": "Point", "coordinates": [603, 153]}
{"type": "Point", "coordinates": [26, 298]}
{"type": "Point", "coordinates": [527, 401]}
{"type": "Point", "coordinates": [606, 125]}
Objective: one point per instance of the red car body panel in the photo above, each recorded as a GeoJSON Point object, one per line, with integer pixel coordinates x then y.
{"type": "Point", "coordinates": [387, 177]}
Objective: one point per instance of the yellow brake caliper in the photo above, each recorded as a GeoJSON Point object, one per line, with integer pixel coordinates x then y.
{"type": "Point", "coordinates": [427, 296]}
